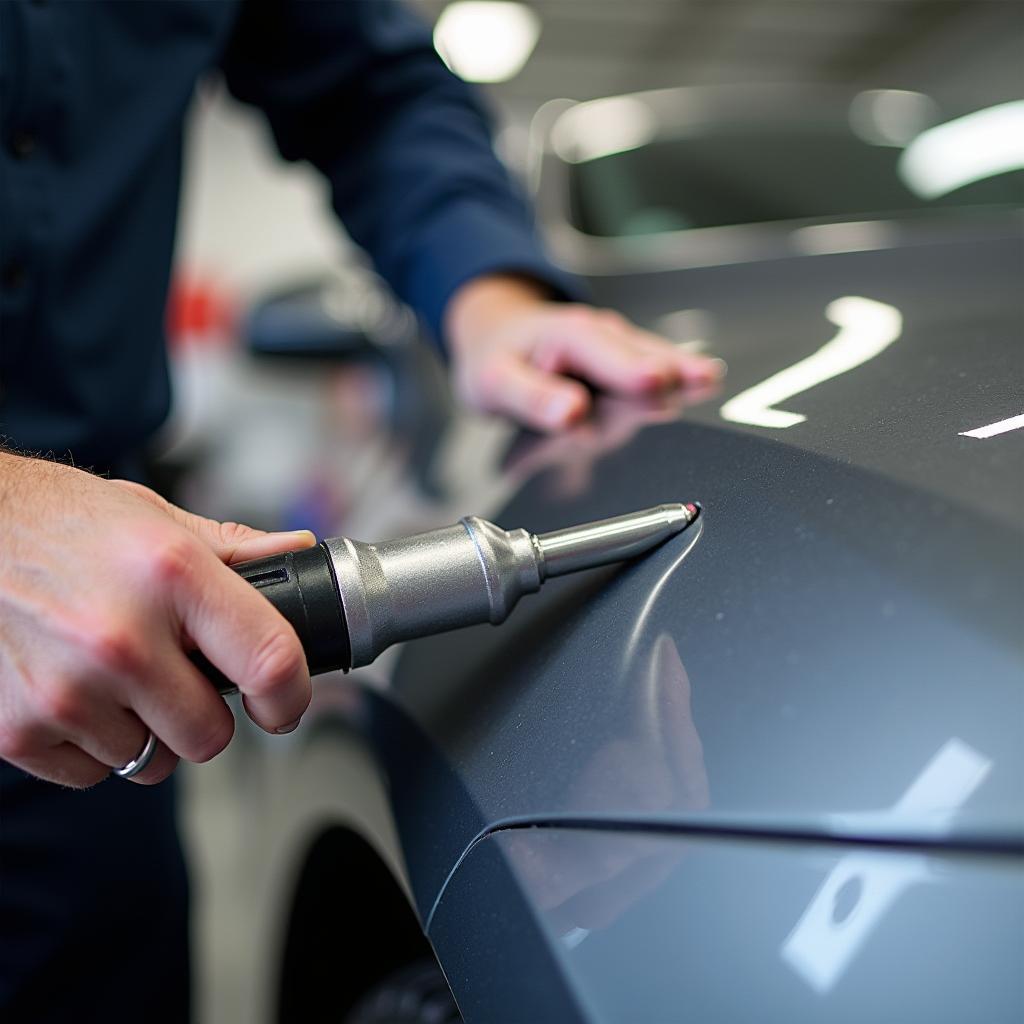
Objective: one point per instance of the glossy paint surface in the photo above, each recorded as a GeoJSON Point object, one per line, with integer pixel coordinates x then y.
{"type": "Point", "coordinates": [803, 716]}
{"type": "Point", "coordinates": [656, 928]}
{"type": "Point", "coordinates": [953, 363]}
{"type": "Point", "coordinates": [838, 651]}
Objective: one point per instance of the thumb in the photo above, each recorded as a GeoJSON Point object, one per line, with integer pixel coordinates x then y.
{"type": "Point", "coordinates": [230, 542]}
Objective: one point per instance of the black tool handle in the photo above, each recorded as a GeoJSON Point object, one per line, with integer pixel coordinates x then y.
{"type": "Point", "coordinates": [301, 586]}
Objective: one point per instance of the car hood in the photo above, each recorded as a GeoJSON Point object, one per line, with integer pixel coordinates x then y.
{"type": "Point", "coordinates": [835, 646]}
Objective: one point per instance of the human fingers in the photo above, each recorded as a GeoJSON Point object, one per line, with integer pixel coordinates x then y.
{"type": "Point", "coordinates": [244, 636]}
{"type": "Point", "coordinates": [687, 367]}
{"type": "Point", "coordinates": [114, 735]}
{"type": "Point", "coordinates": [88, 627]}
{"type": "Point", "coordinates": [231, 542]}
{"type": "Point", "coordinates": [694, 369]}
{"type": "Point", "coordinates": [81, 708]}
{"type": "Point", "coordinates": [68, 765]}
{"type": "Point", "coordinates": [593, 346]}
{"type": "Point", "coordinates": [505, 383]}
{"type": "Point", "coordinates": [64, 764]}
{"type": "Point", "coordinates": [86, 716]}
{"type": "Point", "coordinates": [235, 542]}
{"type": "Point", "coordinates": [161, 765]}
{"type": "Point", "coordinates": [105, 708]}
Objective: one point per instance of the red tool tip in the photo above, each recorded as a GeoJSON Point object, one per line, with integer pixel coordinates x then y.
{"type": "Point", "coordinates": [693, 508]}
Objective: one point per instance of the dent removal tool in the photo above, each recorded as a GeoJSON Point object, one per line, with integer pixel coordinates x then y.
{"type": "Point", "coordinates": [349, 601]}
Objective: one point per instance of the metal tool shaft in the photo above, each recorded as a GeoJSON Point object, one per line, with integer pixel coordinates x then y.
{"type": "Point", "coordinates": [473, 572]}
{"type": "Point", "coordinates": [612, 540]}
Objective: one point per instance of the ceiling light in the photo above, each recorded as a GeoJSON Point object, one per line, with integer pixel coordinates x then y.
{"type": "Point", "coordinates": [957, 153]}
{"type": "Point", "coordinates": [486, 40]}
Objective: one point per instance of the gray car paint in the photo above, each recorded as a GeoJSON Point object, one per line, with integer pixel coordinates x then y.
{"type": "Point", "coordinates": [852, 605]}
{"type": "Point", "coordinates": [833, 657]}
{"type": "Point", "coordinates": [846, 618]}
{"type": "Point", "coordinates": [660, 928]}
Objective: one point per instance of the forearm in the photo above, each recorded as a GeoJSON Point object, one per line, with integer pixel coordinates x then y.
{"type": "Point", "coordinates": [358, 90]}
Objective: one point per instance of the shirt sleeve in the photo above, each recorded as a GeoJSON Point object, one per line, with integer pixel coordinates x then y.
{"type": "Point", "coordinates": [356, 88]}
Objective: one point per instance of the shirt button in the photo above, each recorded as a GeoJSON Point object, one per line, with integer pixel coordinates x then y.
{"type": "Point", "coordinates": [14, 276]}
{"type": "Point", "coordinates": [23, 144]}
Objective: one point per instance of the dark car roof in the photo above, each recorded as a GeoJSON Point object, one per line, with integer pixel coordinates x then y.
{"type": "Point", "coordinates": [838, 652]}
{"type": "Point", "coordinates": [956, 362]}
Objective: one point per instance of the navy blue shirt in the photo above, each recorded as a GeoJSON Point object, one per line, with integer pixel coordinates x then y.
{"type": "Point", "coordinates": [92, 99]}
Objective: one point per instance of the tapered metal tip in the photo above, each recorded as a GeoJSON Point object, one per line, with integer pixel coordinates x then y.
{"type": "Point", "coordinates": [613, 540]}
{"type": "Point", "coordinates": [677, 514]}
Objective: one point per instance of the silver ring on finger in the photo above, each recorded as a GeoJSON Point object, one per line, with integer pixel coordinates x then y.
{"type": "Point", "coordinates": [141, 759]}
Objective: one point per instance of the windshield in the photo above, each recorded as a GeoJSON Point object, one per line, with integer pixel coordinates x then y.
{"type": "Point", "coordinates": [751, 174]}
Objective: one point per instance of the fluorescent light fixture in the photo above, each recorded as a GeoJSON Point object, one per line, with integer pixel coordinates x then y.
{"type": "Point", "coordinates": [602, 127]}
{"type": "Point", "coordinates": [486, 40]}
{"type": "Point", "coordinates": [970, 148]}
{"type": "Point", "coordinates": [866, 329]}
{"type": "Point", "coordinates": [891, 117]}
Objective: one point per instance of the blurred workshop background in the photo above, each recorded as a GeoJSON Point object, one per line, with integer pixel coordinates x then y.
{"type": "Point", "coordinates": [303, 395]}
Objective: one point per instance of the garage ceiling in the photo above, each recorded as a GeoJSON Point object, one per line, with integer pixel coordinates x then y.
{"type": "Point", "coordinates": [969, 50]}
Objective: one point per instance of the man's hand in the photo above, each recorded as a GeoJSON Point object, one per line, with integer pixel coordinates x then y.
{"type": "Point", "coordinates": [104, 589]}
{"type": "Point", "coordinates": [511, 349]}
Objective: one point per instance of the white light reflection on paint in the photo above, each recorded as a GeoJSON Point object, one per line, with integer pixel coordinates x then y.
{"type": "Point", "coordinates": [866, 328]}
{"type": "Point", "coordinates": [603, 127]}
{"type": "Point", "coordinates": [850, 236]}
{"type": "Point", "coordinates": [828, 935]}
{"type": "Point", "coordinates": [690, 538]}
{"type": "Point", "coordinates": [977, 146]}
{"type": "Point", "coordinates": [574, 936]}
{"type": "Point", "coordinates": [1013, 423]}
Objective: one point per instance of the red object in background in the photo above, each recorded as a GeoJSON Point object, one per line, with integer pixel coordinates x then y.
{"type": "Point", "coordinates": [200, 312]}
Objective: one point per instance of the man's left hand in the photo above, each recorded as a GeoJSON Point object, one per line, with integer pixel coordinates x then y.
{"type": "Point", "coordinates": [516, 352]}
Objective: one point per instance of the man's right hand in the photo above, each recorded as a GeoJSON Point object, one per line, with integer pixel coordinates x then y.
{"type": "Point", "coordinates": [104, 590]}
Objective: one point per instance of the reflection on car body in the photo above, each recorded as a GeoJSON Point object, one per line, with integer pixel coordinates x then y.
{"type": "Point", "coordinates": [826, 937]}
{"type": "Point", "coordinates": [866, 329]}
{"type": "Point", "coordinates": [672, 789]}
